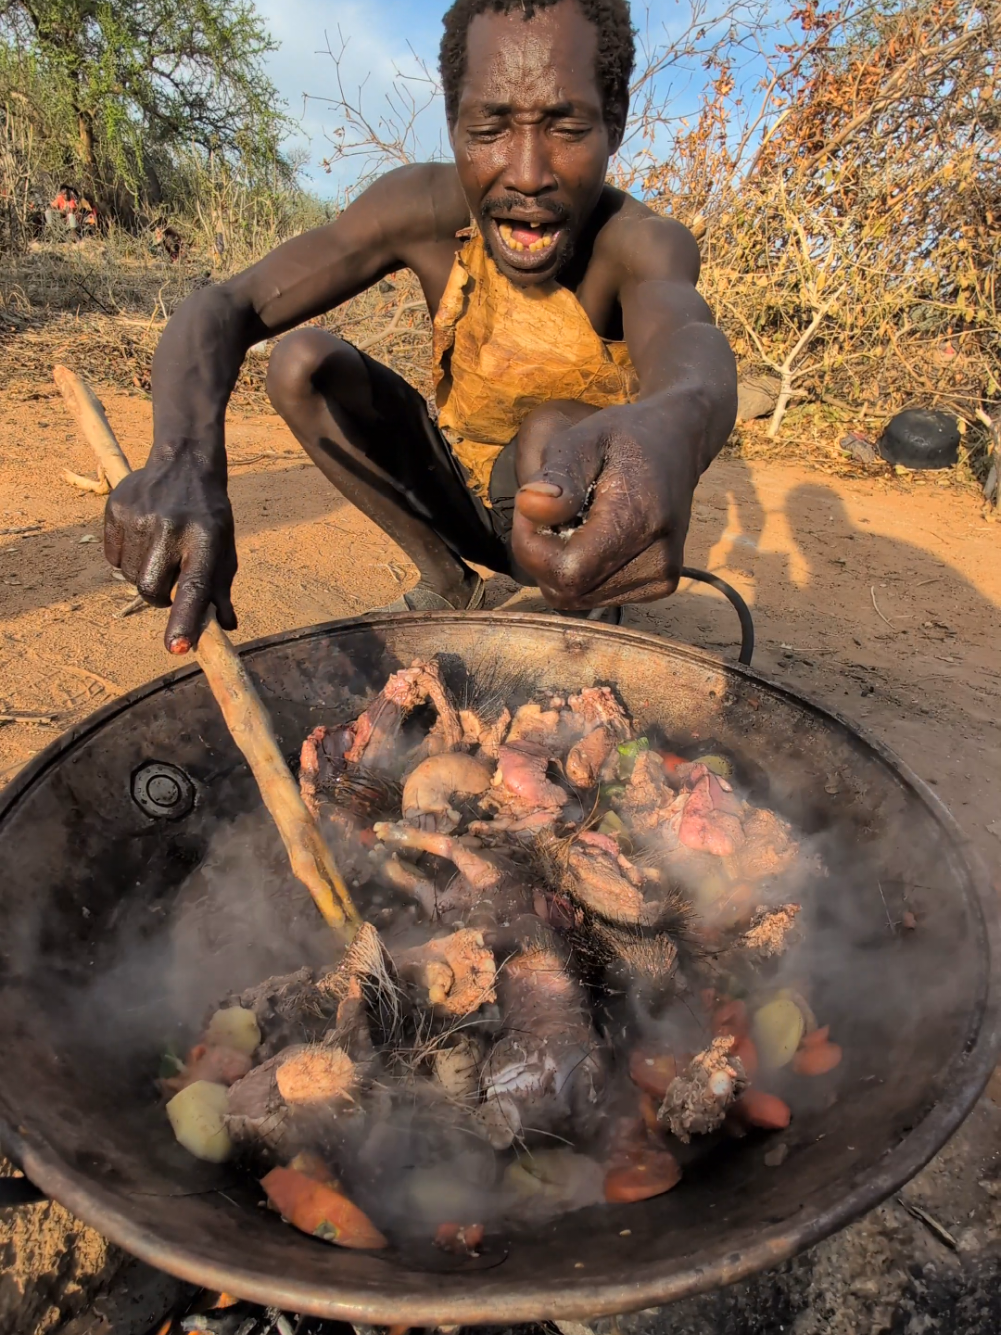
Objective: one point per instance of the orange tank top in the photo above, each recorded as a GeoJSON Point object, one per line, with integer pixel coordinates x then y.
{"type": "Point", "coordinates": [502, 350]}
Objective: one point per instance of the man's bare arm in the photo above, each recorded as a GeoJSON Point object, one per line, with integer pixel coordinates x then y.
{"type": "Point", "coordinates": [204, 345]}
{"type": "Point", "coordinates": [171, 521]}
{"type": "Point", "coordinates": [643, 460]}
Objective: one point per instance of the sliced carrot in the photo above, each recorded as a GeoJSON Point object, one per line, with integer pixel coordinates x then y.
{"type": "Point", "coordinates": [731, 1018]}
{"type": "Point", "coordinates": [462, 1239]}
{"type": "Point", "coordinates": [652, 1175]}
{"type": "Point", "coordinates": [319, 1210]}
{"type": "Point", "coordinates": [671, 761]}
{"type": "Point", "coordinates": [756, 1108]}
{"type": "Point", "coordinates": [744, 1049]}
{"type": "Point", "coordinates": [816, 1037]}
{"type": "Point", "coordinates": [653, 1073]}
{"type": "Point", "coordinates": [817, 1060]}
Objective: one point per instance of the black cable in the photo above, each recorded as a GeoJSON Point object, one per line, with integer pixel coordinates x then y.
{"type": "Point", "coordinates": [738, 604]}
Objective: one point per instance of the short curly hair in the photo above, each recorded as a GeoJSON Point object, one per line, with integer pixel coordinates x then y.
{"type": "Point", "coordinates": [615, 58]}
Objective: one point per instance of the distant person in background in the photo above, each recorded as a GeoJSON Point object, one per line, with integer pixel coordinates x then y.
{"type": "Point", "coordinates": [71, 211]}
{"type": "Point", "coordinates": [61, 212]}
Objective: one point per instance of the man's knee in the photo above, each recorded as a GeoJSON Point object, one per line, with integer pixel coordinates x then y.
{"type": "Point", "coordinates": [306, 363]}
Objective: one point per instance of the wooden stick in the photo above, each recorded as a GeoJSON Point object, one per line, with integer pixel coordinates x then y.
{"type": "Point", "coordinates": [86, 407]}
{"type": "Point", "coordinates": [248, 721]}
{"type": "Point", "coordinates": [99, 485]}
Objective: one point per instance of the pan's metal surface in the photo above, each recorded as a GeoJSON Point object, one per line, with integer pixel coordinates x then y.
{"type": "Point", "coordinates": [89, 876]}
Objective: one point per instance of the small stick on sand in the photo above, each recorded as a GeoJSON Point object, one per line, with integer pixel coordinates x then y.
{"type": "Point", "coordinates": [99, 485]}
{"type": "Point", "coordinates": [248, 721]}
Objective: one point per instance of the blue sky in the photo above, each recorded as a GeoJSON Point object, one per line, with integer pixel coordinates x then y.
{"type": "Point", "coordinates": [378, 34]}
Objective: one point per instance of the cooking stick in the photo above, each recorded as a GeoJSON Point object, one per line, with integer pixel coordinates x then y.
{"type": "Point", "coordinates": [246, 717]}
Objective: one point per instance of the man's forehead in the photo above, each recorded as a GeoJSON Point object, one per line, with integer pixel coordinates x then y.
{"type": "Point", "coordinates": [511, 60]}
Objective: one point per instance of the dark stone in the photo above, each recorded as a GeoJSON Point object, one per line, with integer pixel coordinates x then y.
{"type": "Point", "coordinates": [920, 438]}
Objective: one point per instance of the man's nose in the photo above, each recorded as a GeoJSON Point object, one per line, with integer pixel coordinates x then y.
{"type": "Point", "coordinates": [529, 170]}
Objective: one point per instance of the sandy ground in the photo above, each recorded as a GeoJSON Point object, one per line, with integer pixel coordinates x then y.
{"type": "Point", "coordinates": [881, 599]}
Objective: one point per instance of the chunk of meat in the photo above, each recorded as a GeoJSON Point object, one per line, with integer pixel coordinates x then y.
{"type": "Point", "coordinates": [431, 787]}
{"type": "Point", "coordinates": [697, 1099]}
{"type": "Point", "coordinates": [482, 872]}
{"type": "Point", "coordinates": [519, 787]}
{"type": "Point", "coordinates": [404, 876]}
{"type": "Point", "coordinates": [649, 803]}
{"type": "Point", "coordinates": [768, 934]}
{"type": "Point", "coordinates": [487, 736]}
{"type": "Point", "coordinates": [288, 1009]}
{"type": "Point", "coordinates": [533, 723]}
{"type": "Point", "coordinates": [323, 1074]}
{"type": "Point", "coordinates": [545, 1072]}
{"type": "Point", "coordinates": [322, 762]}
{"type": "Point", "coordinates": [768, 848]}
{"type": "Point", "coordinates": [710, 821]}
{"type": "Point", "coordinates": [598, 879]}
{"type": "Point", "coordinates": [605, 725]}
{"type": "Point", "coordinates": [457, 971]}
{"type": "Point", "coordinates": [375, 730]}
{"type": "Point", "coordinates": [256, 1114]}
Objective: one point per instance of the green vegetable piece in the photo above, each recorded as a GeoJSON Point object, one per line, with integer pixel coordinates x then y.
{"type": "Point", "coordinates": [170, 1065]}
{"type": "Point", "coordinates": [717, 764]}
{"type": "Point", "coordinates": [628, 751]}
{"type": "Point", "coordinates": [612, 792]}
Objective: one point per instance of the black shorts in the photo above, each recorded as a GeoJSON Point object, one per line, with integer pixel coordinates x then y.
{"type": "Point", "coordinates": [407, 445]}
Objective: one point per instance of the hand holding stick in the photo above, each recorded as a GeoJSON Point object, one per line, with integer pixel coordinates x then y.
{"type": "Point", "coordinates": [246, 717]}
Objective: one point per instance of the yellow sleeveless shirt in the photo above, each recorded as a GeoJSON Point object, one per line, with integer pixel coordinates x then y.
{"type": "Point", "coordinates": [502, 350]}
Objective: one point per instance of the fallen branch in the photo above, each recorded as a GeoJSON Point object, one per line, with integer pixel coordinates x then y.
{"type": "Point", "coordinates": [99, 485]}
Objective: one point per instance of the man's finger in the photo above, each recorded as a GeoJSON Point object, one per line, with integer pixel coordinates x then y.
{"type": "Point", "coordinates": [112, 537]}
{"type": "Point", "coordinates": [567, 465]}
{"type": "Point", "coordinates": [192, 599]}
{"type": "Point", "coordinates": [224, 610]}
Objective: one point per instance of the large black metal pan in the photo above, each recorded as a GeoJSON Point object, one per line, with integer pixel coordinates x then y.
{"type": "Point", "coordinates": [97, 845]}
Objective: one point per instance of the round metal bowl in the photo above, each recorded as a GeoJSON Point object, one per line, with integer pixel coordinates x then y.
{"type": "Point", "coordinates": [101, 833]}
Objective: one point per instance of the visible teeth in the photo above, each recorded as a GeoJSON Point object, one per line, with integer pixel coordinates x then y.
{"type": "Point", "coordinates": [542, 242]}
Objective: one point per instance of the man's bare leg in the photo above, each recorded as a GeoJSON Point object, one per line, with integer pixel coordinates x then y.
{"type": "Point", "coordinates": [319, 384]}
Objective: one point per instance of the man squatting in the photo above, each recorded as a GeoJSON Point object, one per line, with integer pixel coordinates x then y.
{"type": "Point", "coordinates": [581, 385]}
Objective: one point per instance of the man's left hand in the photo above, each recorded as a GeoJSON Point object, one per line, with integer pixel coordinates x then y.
{"type": "Point", "coordinates": [632, 472]}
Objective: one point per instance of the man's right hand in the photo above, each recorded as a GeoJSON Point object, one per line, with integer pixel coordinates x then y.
{"type": "Point", "coordinates": [171, 523]}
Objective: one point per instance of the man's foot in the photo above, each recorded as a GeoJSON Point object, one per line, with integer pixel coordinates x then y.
{"type": "Point", "coordinates": [422, 598]}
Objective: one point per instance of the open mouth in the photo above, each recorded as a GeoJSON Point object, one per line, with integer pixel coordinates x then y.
{"type": "Point", "coordinates": [527, 245]}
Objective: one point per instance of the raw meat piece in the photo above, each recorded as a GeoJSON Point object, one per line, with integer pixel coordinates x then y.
{"type": "Point", "coordinates": [697, 1099]}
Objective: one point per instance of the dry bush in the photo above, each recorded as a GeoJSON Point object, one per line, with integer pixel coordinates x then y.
{"type": "Point", "coordinates": [850, 215]}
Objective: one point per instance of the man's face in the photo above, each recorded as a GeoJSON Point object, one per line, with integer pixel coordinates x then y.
{"type": "Point", "coordinates": [531, 143]}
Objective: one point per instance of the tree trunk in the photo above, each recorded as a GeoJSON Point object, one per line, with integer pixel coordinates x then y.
{"type": "Point", "coordinates": [85, 127]}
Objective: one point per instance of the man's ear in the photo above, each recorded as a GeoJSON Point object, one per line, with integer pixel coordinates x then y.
{"type": "Point", "coordinates": [616, 121]}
